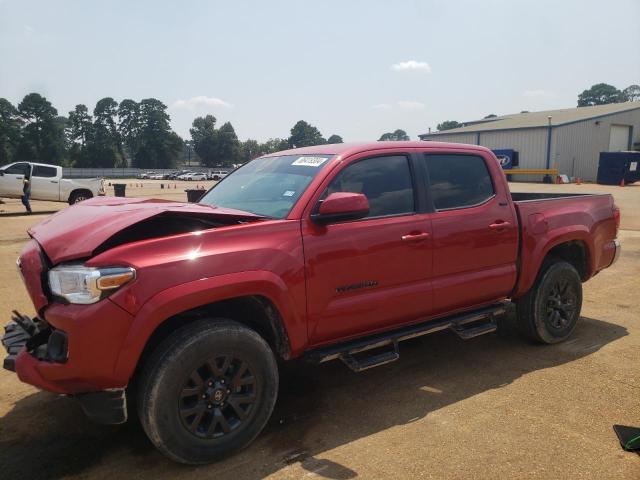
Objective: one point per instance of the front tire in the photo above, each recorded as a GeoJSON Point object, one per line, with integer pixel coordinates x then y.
{"type": "Point", "coordinates": [207, 391]}
{"type": "Point", "coordinates": [549, 311]}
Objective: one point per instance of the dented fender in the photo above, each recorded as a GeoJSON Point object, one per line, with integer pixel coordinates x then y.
{"type": "Point", "coordinates": [197, 293]}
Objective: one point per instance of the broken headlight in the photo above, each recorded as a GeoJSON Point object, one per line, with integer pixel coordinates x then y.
{"type": "Point", "coordinates": [84, 285]}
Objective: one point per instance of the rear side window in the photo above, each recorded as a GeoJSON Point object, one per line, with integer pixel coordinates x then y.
{"type": "Point", "coordinates": [385, 181]}
{"type": "Point", "coordinates": [41, 171]}
{"type": "Point", "coordinates": [458, 181]}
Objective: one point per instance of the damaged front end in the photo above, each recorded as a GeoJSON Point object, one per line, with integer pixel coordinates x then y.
{"type": "Point", "coordinates": [85, 301]}
{"type": "Point", "coordinates": [36, 337]}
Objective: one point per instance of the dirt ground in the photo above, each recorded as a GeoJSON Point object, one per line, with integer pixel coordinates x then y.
{"type": "Point", "coordinates": [492, 407]}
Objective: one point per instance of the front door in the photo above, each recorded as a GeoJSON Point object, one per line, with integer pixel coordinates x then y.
{"type": "Point", "coordinates": [475, 232]}
{"type": "Point", "coordinates": [374, 273]}
{"type": "Point", "coordinates": [12, 180]}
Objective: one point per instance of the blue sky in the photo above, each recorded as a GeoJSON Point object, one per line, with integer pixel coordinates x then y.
{"type": "Point", "coordinates": [355, 68]}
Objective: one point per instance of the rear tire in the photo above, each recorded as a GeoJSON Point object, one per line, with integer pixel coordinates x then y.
{"type": "Point", "coordinates": [207, 391]}
{"type": "Point", "coordinates": [79, 197]}
{"type": "Point", "coordinates": [549, 311]}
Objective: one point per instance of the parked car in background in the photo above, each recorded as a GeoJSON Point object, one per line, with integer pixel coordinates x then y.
{"type": "Point", "coordinates": [156, 176]}
{"type": "Point", "coordinates": [183, 175]}
{"type": "Point", "coordinates": [144, 175]}
{"type": "Point", "coordinates": [218, 175]}
{"type": "Point", "coordinates": [189, 309]}
{"type": "Point", "coordinates": [47, 183]}
{"type": "Point", "coordinates": [193, 176]}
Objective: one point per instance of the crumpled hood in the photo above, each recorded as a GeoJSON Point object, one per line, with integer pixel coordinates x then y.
{"type": "Point", "coordinates": [76, 231]}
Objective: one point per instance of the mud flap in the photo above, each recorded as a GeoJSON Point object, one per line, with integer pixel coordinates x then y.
{"type": "Point", "coordinates": [108, 407]}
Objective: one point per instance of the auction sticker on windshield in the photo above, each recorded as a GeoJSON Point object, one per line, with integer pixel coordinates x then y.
{"type": "Point", "coordinates": [310, 161]}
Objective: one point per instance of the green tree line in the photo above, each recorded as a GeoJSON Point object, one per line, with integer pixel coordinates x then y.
{"type": "Point", "coordinates": [139, 131]}
{"type": "Point", "coordinates": [133, 133]}
{"type": "Point", "coordinates": [128, 133]}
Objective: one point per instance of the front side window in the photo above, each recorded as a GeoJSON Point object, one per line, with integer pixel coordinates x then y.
{"type": "Point", "coordinates": [385, 181]}
{"type": "Point", "coordinates": [267, 186]}
{"type": "Point", "coordinates": [17, 169]}
{"type": "Point", "coordinates": [458, 181]}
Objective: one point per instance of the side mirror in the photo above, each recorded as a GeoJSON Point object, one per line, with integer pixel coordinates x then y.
{"type": "Point", "coordinates": [341, 206]}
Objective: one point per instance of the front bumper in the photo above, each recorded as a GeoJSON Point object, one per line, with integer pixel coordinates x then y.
{"type": "Point", "coordinates": [34, 336]}
{"type": "Point", "coordinates": [32, 344]}
{"type": "Point", "coordinates": [87, 363]}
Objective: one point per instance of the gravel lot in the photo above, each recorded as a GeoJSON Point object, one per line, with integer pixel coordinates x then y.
{"type": "Point", "coordinates": [492, 407]}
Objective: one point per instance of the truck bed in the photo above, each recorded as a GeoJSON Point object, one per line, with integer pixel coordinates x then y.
{"type": "Point", "coordinates": [548, 219]}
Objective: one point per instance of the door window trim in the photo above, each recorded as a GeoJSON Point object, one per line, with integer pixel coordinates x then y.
{"type": "Point", "coordinates": [409, 157]}
{"type": "Point", "coordinates": [427, 174]}
{"type": "Point", "coordinates": [35, 168]}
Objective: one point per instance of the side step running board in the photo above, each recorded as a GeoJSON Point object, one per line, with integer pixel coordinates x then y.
{"type": "Point", "coordinates": [365, 363]}
{"type": "Point", "coordinates": [466, 325]}
{"type": "Point", "coordinates": [466, 333]}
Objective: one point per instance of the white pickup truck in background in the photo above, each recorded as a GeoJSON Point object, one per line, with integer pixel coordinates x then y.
{"type": "Point", "coordinates": [47, 183]}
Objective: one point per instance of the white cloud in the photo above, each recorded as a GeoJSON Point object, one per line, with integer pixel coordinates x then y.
{"type": "Point", "coordinates": [537, 93]}
{"type": "Point", "coordinates": [381, 106]}
{"type": "Point", "coordinates": [411, 65]}
{"type": "Point", "coordinates": [199, 101]}
{"type": "Point", "coordinates": [410, 105]}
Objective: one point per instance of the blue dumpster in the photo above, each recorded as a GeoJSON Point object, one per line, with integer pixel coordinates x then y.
{"type": "Point", "coordinates": [614, 166]}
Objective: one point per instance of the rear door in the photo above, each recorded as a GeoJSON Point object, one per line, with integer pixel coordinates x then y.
{"type": "Point", "coordinates": [374, 273]}
{"type": "Point", "coordinates": [620, 138]}
{"type": "Point", "coordinates": [45, 184]}
{"type": "Point", "coordinates": [475, 233]}
{"type": "Point", "coordinates": [12, 179]}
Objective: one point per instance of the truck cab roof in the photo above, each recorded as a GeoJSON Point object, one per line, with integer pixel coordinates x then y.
{"type": "Point", "coordinates": [359, 147]}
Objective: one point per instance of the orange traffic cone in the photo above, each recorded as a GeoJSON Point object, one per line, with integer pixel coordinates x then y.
{"type": "Point", "coordinates": [578, 181]}
{"type": "Point", "coordinates": [622, 182]}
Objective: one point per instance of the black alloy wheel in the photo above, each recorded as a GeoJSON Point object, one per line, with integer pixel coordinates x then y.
{"type": "Point", "coordinates": [561, 304]}
{"type": "Point", "coordinates": [218, 397]}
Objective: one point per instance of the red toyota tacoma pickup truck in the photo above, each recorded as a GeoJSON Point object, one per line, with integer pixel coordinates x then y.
{"type": "Point", "coordinates": [327, 252]}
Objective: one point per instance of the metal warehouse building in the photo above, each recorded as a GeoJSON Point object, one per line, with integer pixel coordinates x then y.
{"type": "Point", "coordinates": [570, 139]}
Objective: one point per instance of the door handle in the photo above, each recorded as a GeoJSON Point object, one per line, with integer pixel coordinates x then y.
{"type": "Point", "coordinates": [499, 225]}
{"type": "Point", "coordinates": [53, 181]}
{"type": "Point", "coordinates": [415, 237]}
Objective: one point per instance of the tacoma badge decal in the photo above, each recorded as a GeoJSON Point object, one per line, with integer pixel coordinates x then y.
{"type": "Point", "coordinates": [356, 286]}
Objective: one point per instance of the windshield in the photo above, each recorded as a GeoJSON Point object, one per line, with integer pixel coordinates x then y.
{"type": "Point", "coordinates": [267, 186]}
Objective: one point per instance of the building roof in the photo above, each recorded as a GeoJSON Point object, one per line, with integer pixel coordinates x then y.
{"type": "Point", "coordinates": [540, 119]}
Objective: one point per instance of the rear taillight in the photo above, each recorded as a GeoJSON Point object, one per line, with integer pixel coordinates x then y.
{"type": "Point", "coordinates": [616, 217]}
